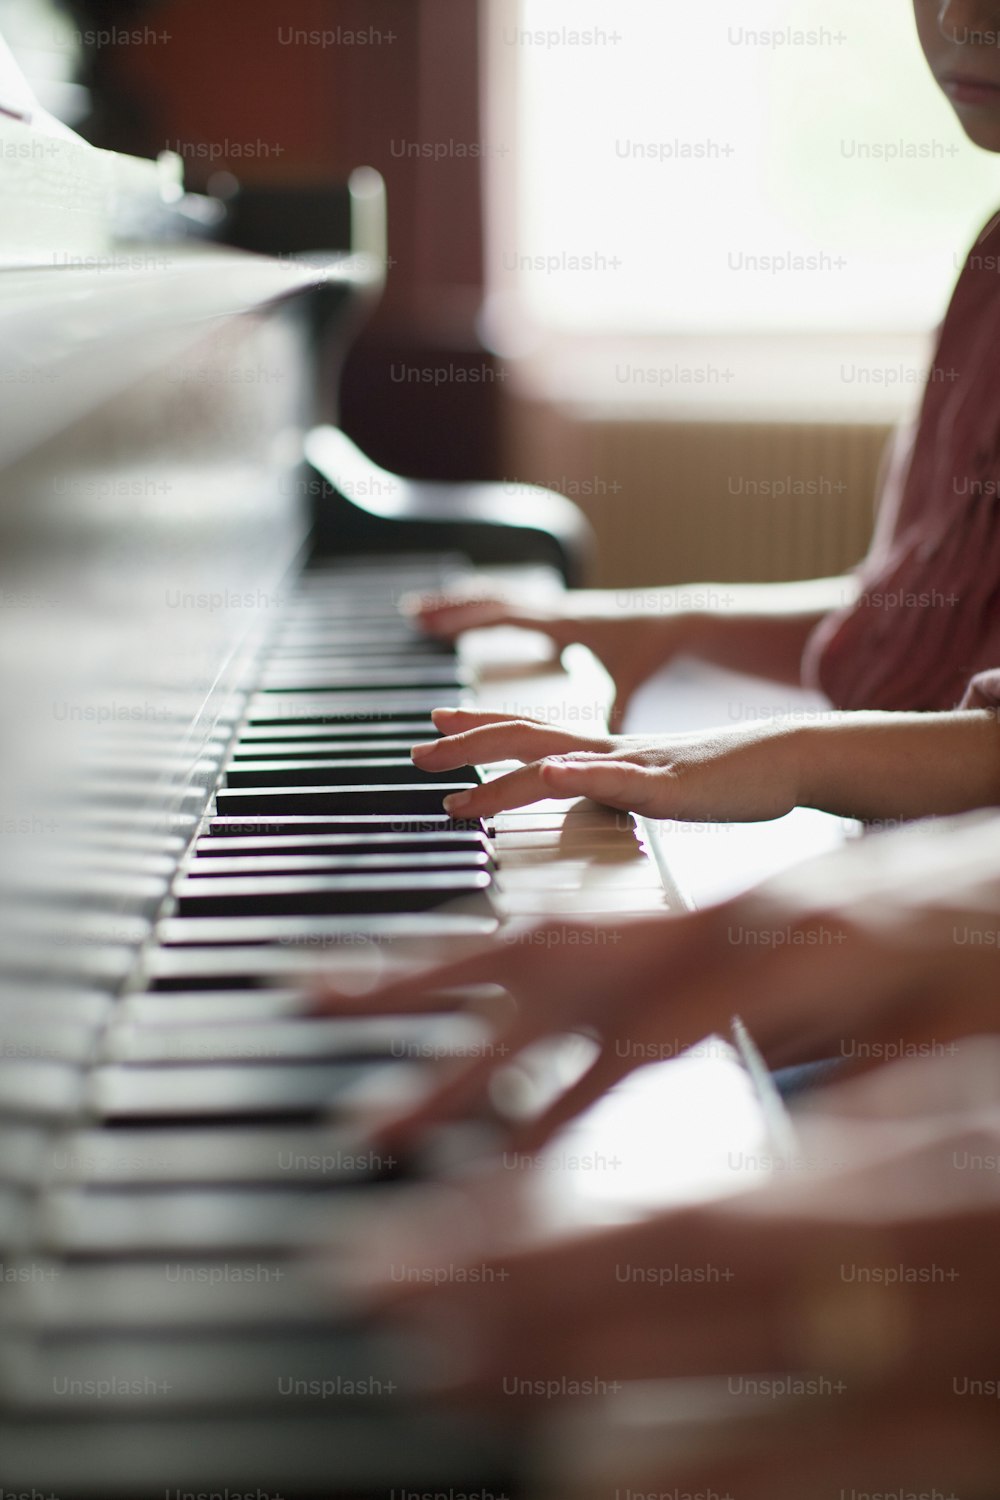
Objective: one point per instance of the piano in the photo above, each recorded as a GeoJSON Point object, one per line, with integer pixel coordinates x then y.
{"type": "Point", "coordinates": [207, 698]}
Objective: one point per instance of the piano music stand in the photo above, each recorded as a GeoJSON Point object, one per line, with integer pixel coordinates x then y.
{"type": "Point", "coordinates": [354, 497]}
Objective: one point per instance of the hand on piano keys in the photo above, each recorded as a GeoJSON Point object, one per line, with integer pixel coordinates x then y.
{"type": "Point", "coordinates": [630, 645]}
{"type": "Point", "coordinates": [840, 959]}
{"type": "Point", "coordinates": [832, 1317]}
{"type": "Point", "coordinates": [727, 775]}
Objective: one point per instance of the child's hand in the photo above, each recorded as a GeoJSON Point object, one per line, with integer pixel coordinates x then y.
{"type": "Point", "coordinates": [879, 952]}
{"type": "Point", "coordinates": [605, 978]}
{"type": "Point", "coordinates": [841, 1313]}
{"type": "Point", "coordinates": [631, 646]}
{"type": "Point", "coordinates": [725, 775]}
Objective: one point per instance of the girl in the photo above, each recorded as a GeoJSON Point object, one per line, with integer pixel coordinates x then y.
{"type": "Point", "coordinates": [911, 662]}
{"type": "Point", "coordinates": [913, 921]}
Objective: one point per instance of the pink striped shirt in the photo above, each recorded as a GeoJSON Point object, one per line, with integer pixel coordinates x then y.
{"type": "Point", "coordinates": [925, 630]}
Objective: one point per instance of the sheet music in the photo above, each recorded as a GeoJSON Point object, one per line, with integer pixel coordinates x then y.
{"type": "Point", "coordinates": [62, 200]}
{"type": "Point", "coordinates": [18, 101]}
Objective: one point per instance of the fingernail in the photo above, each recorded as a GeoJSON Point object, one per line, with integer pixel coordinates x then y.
{"type": "Point", "coordinates": [421, 751]}
{"type": "Point", "coordinates": [443, 713]}
{"type": "Point", "coordinates": [457, 802]}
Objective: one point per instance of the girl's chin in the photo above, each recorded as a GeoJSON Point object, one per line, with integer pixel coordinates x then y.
{"type": "Point", "coordinates": [981, 126]}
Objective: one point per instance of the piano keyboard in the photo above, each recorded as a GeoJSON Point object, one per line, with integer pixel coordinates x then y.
{"type": "Point", "coordinates": [181, 1140]}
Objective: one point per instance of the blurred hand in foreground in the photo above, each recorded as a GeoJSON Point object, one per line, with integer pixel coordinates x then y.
{"type": "Point", "coordinates": [890, 948]}
{"type": "Point", "coordinates": [846, 1313]}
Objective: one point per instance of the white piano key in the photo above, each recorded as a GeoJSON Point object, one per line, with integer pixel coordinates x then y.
{"type": "Point", "coordinates": [298, 1040]}
{"type": "Point", "coordinates": [30, 1037]}
{"type": "Point", "coordinates": [97, 1222]}
{"type": "Point", "coordinates": [219, 1092]}
{"type": "Point", "coordinates": [319, 935]}
{"type": "Point", "coordinates": [40, 1090]}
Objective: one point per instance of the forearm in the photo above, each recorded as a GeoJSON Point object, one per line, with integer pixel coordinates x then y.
{"type": "Point", "coordinates": [894, 766]}
{"type": "Point", "coordinates": [762, 629]}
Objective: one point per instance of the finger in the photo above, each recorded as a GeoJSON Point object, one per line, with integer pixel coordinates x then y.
{"type": "Point", "coordinates": [419, 991]}
{"type": "Point", "coordinates": [543, 1000]}
{"type": "Point", "coordinates": [516, 789]}
{"type": "Point", "coordinates": [599, 1077]}
{"type": "Point", "coordinates": [457, 720]}
{"type": "Point", "coordinates": [454, 720]}
{"type": "Point", "coordinates": [514, 739]}
{"type": "Point", "coordinates": [606, 779]}
{"type": "Point", "coordinates": [450, 617]}
{"type": "Point", "coordinates": [465, 1094]}
{"type": "Point", "coordinates": [446, 607]}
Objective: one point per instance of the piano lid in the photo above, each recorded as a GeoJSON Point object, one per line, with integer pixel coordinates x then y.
{"type": "Point", "coordinates": [154, 395]}
{"type": "Point", "coordinates": [131, 293]}
{"type": "Point", "coordinates": [75, 334]}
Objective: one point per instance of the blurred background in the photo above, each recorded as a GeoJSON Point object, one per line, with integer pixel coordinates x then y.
{"type": "Point", "coordinates": [684, 268]}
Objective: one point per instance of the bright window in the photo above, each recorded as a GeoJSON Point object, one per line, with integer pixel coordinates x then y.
{"type": "Point", "coordinates": [705, 166]}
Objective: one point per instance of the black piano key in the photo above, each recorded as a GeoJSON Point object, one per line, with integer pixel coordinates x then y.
{"type": "Point", "coordinates": [321, 618]}
{"type": "Point", "coordinates": [386, 707]}
{"type": "Point", "coordinates": [370, 862]}
{"type": "Point", "coordinates": [168, 1156]}
{"type": "Point", "coordinates": [339, 845]}
{"type": "Point", "coordinates": [186, 968]}
{"type": "Point", "coordinates": [332, 660]}
{"type": "Point", "coordinates": [339, 651]}
{"type": "Point", "coordinates": [334, 895]}
{"type": "Point", "coordinates": [405, 799]}
{"type": "Point", "coordinates": [340, 648]}
{"type": "Point", "coordinates": [248, 953]}
{"type": "Point", "coordinates": [297, 1454]}
{"type": "Point", "coordinates": [341, 733]}
{"type": "Point", "coordinates": [208, 1007]}
{"type": "Point", "coordinates": [109, 1373]}
{"type": "Point", "coordinates": [325, 677]}
{"type": "Point", "coordinates": [343, 626]}
{"type": "Point", "coordinates": [327, 749]}
{"type": "Point", "coordinates": [364, 771]}
{"type": "Point", "coordinates": [359, 825]}
{"type": "Point", "coordinates": [71, 1297]}
{"type": "Point", "coordinates": [212, 1007]}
